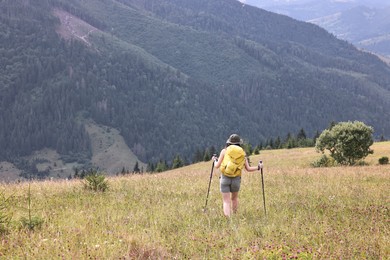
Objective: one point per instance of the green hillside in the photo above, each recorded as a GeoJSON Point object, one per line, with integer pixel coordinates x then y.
{"type": "Point", "coordinates": [312, 213]}
{"type": "Point", "coordinates": [172, 77]}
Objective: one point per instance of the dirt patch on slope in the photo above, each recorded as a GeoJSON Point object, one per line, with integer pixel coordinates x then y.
{"type": "Point", "coordinates": [73, 27]}
{"type": "Point", "coordinates": [109, 150]}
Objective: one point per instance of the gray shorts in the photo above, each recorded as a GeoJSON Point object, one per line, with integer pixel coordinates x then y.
{"type": "Point", "coordinates": [229, 184]}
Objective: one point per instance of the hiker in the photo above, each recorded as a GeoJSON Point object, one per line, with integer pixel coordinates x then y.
{"type": "Point", "coordinates": [231, 161]}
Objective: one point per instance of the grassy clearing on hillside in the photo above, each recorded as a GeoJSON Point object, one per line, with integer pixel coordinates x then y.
{"type": "Point", "coordinates": [312, 213]}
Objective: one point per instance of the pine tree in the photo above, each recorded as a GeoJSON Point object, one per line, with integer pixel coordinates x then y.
{"type": "Point", "coordinates": [177, 162]}
{"type": "Point", "coordinates": [206, 156]}
{"type": "Point", "coordinates": [198, 156]}
{"type": "Point", "coordinates": [278, 143]}
{"type": "Point", "coordinates": [301, 134]}
{"type": "Point", "coordinates": [213, 150]}
{"type": "Point", "coordinates": [136, 168]}
{"type": "Point", "coordinates": [161, 166]}
{"type": "Point", "coordinates": [150, 167]}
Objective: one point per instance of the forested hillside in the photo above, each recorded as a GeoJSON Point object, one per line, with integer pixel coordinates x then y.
{"type": "Point", "coordinates": [173, 76]}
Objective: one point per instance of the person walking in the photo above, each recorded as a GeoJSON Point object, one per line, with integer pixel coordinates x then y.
{"type": "Point", "coordinates": [231, 161]}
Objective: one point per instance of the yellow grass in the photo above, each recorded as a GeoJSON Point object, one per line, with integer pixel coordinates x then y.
{"type": "Point", "coordinates": [313, 213]}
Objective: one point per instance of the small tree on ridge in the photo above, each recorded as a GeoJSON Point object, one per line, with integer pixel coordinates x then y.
{"type": "Point", "coordinates": [347, 142]}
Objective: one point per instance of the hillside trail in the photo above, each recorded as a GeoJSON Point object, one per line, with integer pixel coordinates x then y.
{"type": "Point", "coordinates": [83, 38]}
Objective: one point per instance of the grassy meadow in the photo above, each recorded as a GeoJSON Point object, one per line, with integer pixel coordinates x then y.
{"type": "Point", "coordinates": [312, 213]}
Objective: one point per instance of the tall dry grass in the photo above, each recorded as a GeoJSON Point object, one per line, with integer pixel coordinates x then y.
{"type": "Point", "coordinates": [312, 213]}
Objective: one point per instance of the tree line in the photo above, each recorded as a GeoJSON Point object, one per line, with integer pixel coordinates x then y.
{"type": "Point", "coordinates": [290, 141]}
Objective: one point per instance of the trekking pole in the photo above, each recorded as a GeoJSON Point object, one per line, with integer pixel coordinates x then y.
{"type": "Point", "coordinates": [262, 184]}
{"type": "Point", "coordinates": [208, 191]}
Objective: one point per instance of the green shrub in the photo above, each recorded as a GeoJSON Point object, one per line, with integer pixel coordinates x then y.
{"type": "Point", "coordinates": [383, 160]}
{"type": "Point", "coordinates": [31, 222]}
{"type": "Point", "coordinates": [95, 181]}
{"type": "Point", "coordinates": [324, 161]}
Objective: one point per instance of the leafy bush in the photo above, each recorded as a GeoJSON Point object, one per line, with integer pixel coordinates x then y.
{"type": "Point", "coordinates": [95, 181]}
{"type": "Point", "coordinates": [347, 142]}
{"type": "Point", "coordinates": [383, 160]}
{"type": "Point", "coordinates": [324, 161]}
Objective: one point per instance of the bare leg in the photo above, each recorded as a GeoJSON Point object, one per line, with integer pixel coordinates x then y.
{"type": "Point", "coordinates": [235, 201]}
{"type": "Point", "coordinates": [226, 204]}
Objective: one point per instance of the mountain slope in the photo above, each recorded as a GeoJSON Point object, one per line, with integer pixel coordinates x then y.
{"type": "Point", "coordinates": [363, 23]}
{"type": "Point", "coordinates": [173, 76]}
{"type": "Point", "coordinates": [367, 28]}
{"type": "Point", "coordinates": [305, 10]}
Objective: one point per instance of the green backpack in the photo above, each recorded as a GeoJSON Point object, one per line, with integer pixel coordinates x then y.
{"type": "Point", "coordinates": [233, 161]}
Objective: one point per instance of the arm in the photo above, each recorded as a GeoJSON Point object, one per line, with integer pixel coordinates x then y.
{"type": "Point", "coordinates": [249, 168]}
{"type": "Point", "coordinates": [218, 163]}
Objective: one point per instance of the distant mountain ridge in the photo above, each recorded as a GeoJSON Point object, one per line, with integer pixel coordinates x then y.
{"type": "Point", "coordinates": [305, 10]}
{"type": "Point", "coordinates": [362, 22]}
{"type": "Point", "coordinates": [367, 27]}
{"type": "Point", "coordinates": [172, 76]}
